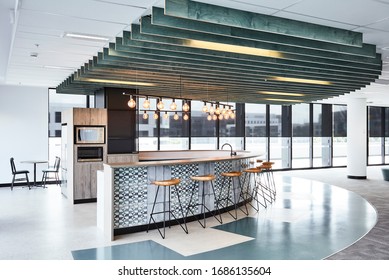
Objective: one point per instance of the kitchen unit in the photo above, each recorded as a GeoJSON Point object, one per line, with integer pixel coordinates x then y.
{"type": "Point", "coordinates": [84, 150]}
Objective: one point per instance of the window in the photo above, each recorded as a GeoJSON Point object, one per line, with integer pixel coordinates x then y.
{"type": "Point", "coordinates": [256, 134]}
{"type": "Point", "coordinates": [339, 148]}
{"type": "Point", "coordinates": [376, 135]}
{"type": "Point", "coordinates": [280, 136]}
{"type": "Point", "coordinates": [203, 131]}
{"type": "Point", "coordinates": [58, 117]}
{"type": "Point", "coordinates": [301, 136]}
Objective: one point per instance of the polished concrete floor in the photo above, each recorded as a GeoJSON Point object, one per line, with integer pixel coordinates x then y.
{"type": "Point", "coordinates": [309, 220]}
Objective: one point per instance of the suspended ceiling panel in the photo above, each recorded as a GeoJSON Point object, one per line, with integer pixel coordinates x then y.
{"type": "Point", "coordinates": [202, 51]}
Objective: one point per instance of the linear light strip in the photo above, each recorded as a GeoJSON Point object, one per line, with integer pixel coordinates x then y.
{"type": "Point", "coordinates": [117, 82]}
{"type": "Point", "coordinates": [297, 80]}
{"type": "Point", "coordinates": [281, 93]}
{"type": "Point", "coordinates": [232, 48]}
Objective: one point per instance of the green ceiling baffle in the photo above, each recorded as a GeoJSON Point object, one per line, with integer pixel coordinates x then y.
{"type": "Point", "coordinates": [216, 53]}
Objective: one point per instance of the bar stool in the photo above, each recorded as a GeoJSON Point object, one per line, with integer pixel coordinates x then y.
{"type": "Point", "coordinates": [167, 184]}
{"type": "Point", "coordinates": [202, 179]}
{"type": "Point", "coordinates": [230, 176]}
{"type": "Point", "coordinates": [267, 167]}
{"type": "Point", "coordinates": [257, 189]}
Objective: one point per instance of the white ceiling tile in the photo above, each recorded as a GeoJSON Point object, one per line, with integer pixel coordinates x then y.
{"type": "Point", "coordinates": [353, 12]}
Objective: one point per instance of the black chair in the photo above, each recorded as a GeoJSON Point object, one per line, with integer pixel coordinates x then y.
{"type": "Point", "coordinates": [54, 171]}
{"type": "Point", "coordinates": [18, 172]}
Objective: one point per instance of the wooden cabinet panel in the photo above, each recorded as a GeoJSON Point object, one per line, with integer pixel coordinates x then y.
{"type": "Point", "coordinates": [93, 178]}
{"type": "Point", "coordinates": [82, 182]}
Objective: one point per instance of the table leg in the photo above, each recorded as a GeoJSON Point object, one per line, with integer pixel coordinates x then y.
{"type": "Point", "coordinates": [34, 174]}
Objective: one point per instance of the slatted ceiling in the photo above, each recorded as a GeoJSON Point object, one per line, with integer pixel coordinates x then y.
{"type": "Point", "coordinates": [145, 42]}
{"type": "Point", "coordinates": [265, 40]}
{"type": "Point", "coordinates": [248, 66]}
{"type": "Point", "coordinates": [160, 51]}
{"type": "Point", "coordinates": [244, 19]}
{"type": "Point", "coordinates": [160, 18]}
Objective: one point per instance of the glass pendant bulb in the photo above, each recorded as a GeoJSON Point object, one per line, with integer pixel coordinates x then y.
{"type": "Point", "coordinates": [155, 116]}
{"type": "Point", "coordinates": [224, 111]}
{"type": "Point", "coordinates": [146, 103]}
{"type": "Point", "coordinates": [217, 111]}
{"type": "Point", "coordinates": [220, 117]}
{"type": "Point", "coordinates": [186, 117]}
{"type": "Point", "coordinates": [160, 104]}
{"type": "Point", "coordinates": [165, 116]}
{"type": "Point", "coordinates": [176, 117]}
{"type": "Point", "coordinates": [145, 116]}
{"type": "Point", "coordinates": [214, 117]}
{"type": "Point", "coordinates": [226, 116]}
{"type": "Point", "coordinates": [131, 103]}
{"type": "Point", "coordinates": [232, 115]}
{"type": "Point", "coordinates": [185, 107]}
{"type": "Point", "coordinates": [205, 108]}
{"type": "Point", "coordinates": [211, 109]}
{"type": "Point", "coordinates": [209, 117]}
{"type": "Point", "coordinates": [173, 106]}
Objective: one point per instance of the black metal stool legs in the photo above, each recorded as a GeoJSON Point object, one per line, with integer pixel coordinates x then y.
{"type": "Point", "coordinates": [169, 211]}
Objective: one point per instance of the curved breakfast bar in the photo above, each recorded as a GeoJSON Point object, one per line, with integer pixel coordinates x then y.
{"type": "Point", "coordinates": [125, 193]}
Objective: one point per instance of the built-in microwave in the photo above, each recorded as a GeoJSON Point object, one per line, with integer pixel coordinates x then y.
{"type": "Point", "coordinates": [89, 134]}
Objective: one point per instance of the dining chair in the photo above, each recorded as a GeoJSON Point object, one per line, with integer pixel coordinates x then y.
{"type": "Point", "coordinates": [18, 172]}
{"type": "Point", "coordinates": [54, 170]}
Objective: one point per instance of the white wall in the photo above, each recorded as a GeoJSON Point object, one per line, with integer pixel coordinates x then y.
{"type": "Point", "coordinates": [23, 128]}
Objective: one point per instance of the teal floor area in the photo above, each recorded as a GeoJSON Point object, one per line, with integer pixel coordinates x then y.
{"type": "Point", "coordinates": [309, 220]}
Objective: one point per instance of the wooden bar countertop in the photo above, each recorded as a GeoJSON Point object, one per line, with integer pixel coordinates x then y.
{"type": "Point", "coordinates": [158, 158]}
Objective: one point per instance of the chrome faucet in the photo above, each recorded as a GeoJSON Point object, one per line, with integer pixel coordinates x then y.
{"type": "Point", "coordinates": [232, 152]}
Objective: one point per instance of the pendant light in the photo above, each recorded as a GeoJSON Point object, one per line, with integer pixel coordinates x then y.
{"type": "Point", "coordinates": [176, 117]}
{"type": "Point", "coordinates": [160, 104]}
{"type": "Point", "coordinates": [131, 103]}
{"type": "Point", "coordinates": [146, 103]}
{"type": "Point", "coordinates": [186, 117]}
{"type": "Point", "coordinates": [173, 106]}
{"type": "Point", "coordinates": [145, 115]}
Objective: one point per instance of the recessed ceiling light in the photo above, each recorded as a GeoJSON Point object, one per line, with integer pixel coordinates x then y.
{"type": "Point", "coordinates": [58, 67]}
{"type": "Point", "coordinates": [83, 36]}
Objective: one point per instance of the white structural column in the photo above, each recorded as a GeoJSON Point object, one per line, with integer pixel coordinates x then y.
{"type": "Point", "coordinates": [356, 138]}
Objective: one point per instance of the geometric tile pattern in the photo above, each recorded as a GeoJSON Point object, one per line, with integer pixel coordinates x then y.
{"type": "Point", "coordinates": [129, 196]}
{"type": "Point", "coordinates": [184, 172]}
{"type": "Point", "coordinates": [220, 167]}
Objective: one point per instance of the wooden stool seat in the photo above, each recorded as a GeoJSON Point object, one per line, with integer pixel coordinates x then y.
{"type": "Point", "coordinates": [231, 174]}
{"type": "Point", "coordinates": [208, 177]}
{"type": "Point", "coordinates": [253, 170]}
{"type": "Point", "coordinates": [165, 183]}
